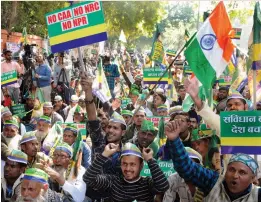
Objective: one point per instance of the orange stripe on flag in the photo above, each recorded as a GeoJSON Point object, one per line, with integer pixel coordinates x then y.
{"type": "Point", "coordinates": [222, 27]}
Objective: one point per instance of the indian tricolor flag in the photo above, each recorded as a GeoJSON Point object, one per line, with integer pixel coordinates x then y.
{"type": "Point", "coordinates": [210, 50]}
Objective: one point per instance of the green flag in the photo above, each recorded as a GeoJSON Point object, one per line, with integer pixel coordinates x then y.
{"type": "Point", "coordinates": [157, 51]}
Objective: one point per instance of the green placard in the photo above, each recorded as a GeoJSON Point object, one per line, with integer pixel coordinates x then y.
{"type": "Point", "coordinates": [152, 75]}
{"type": "Point", "coordinates": [90, 10]}
{"type": "Point", "coordinates": [241, 124]}
{"type": "Point", "coordinates": [125, 102]}
{"type": "Point", "coordinates": [8, 78]}
{"type": "Point", "coordinates": [187, 70]}
{"type": "Point", "coordinates": [165, 166]}
{"type": "Point", "coordinates": [18, 109]}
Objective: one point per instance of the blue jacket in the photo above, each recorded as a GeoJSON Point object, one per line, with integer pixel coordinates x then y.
{"type": "Point", "coordinates": [44, 71]}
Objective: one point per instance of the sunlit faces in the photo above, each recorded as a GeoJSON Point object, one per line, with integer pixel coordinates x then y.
{"type": "Point", "coordinates": [78, 117]}
{"type": "Point", "coordinates": [162, 113]}
{"type": "Point", "coordinates": [43, 127]}
{"type": "Point", "coordinates": [131, 167]}
{"type": "Point", "coordinates": [185, 123]}
{"type": "Point", "coordinates": [238, 177]}
{"type": "Point", "coordinates": [236, 104]}
{"type": "Point", "coordinates": [158, 100]}
{"type": "Point", "coordinates": [138, 118]}
{"type": "Point", "coordinates": [114, 132]}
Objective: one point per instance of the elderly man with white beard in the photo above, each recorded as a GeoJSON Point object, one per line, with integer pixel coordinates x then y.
{"type": "Point", "coordinates": [35, 188]}
{"type": "Point", "coordinates": [63, 176]}
{"type": "Point", "coordinates": [44, 135]}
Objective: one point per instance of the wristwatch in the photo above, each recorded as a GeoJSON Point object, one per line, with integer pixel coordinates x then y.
{"type": "Point", "coordinates": [88, 102]}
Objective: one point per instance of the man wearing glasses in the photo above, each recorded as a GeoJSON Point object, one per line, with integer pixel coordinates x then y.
{"type": "Point", "coordinates": [63, 177]}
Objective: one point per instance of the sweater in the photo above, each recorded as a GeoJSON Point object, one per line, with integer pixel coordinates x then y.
{"type": "Point", "coordinates": [144, 189]}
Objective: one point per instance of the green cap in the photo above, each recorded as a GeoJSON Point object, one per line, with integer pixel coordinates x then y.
{"type": "Point", "coordinates": [127, 113]}
{"type": "Point", "coordinates": [117, 118]}
{"type": "Point", "coordinates": [202, 132]}
{"type": "Point", "coordinates": [18, 156]}
{"type": "Point", "coordinates": [135, 92]}
{"type": "Point", "coordinates": [171, 52]}
{"type": "Point", "coordinates": [11, 123]}
{"type": "Point", "coordinates": [71, 127]}
{"type": "Point", "coordinates": [162, 107]}
{"type": "Point", "coordinates": [46, 119]}
{"type": "Point", "coordinates": [27, 137]}
{"type": "Point", "coordinates": [131, 149]}
{"type": "Point", "coordinates": [148, 126]}
{"type": "Point", "coordinates": [64, 147]}
{"type": "Point", "coordinates": [35, 174]}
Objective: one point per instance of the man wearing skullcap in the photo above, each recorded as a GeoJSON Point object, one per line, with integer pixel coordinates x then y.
{"type": "Point", "coordinates": [73, 102]}
{"type": "Point", "coordinates": [184, 189]}
{"type": "Point", "coordinates": [13, 169]}
{"type": "Point", "coordinates": [62, 173]}
{"type": "Point", "coordinates": [29, 105]}
{"type": "Point", "coordinates": [134, 95]}
{"type": "Point", "coordinates": [205, 141]}
{"type": "Point", "coordinates": [79, 115]}
{"type": "Point", "coordinates": [114, 133]}
{"type": "Point", "coordinates": [235, 185]}
{"type": "Point", "coordinates": [48, 111]}
{"type": "Point", "coordinates": [70, 134]}
{"type": "Point", "coordinates": [127, 115]}
{"type": "Point", "coordinates": [44, 135]}
{"type": "Point", "coordinates": [34, 187]}
{"type": "Point", "coordinates": [59, 106]}
{"type": "Point", "coordinates": [30, 146]}
{"type": "Point", "coordinates": [131, 186]}
{"type": "Point", "coordinates": [162, 110]}
{"type": "Point", "coordinates": [134, 128]}
{"type": "Point", "coordinates": [10, 138]}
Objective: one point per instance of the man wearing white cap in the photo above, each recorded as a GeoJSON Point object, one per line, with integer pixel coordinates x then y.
{"type": "Point", "coordinates": [73, 102]}
{"type": "Point", "coordinates": [5, 115]}
{"type": "Point", "coordinates": [59, 106]}
{"type": "Point", "coordinates": [48, 111]}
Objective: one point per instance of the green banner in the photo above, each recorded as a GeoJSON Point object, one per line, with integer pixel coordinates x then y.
{"type": "Point", "coordinates": [165, 166]}
{"type": "Point", "coordinates": [152, 75]}
{"type": "Point", "coordinates": [241, 124]}
{"type": "Point", "coordinates": [81, 128]}
{"type": "Point", "coordinates": [241, 132]}
{"type": "Point", "coordinates": [8, 78]}
{"type": "Point", "coordinates": [18, 109]}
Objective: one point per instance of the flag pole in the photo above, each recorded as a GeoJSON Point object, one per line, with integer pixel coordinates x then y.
{"type": "Point", "coordinates": [254, 89]}
{"type": "Point", "coordinates": [176, 57]}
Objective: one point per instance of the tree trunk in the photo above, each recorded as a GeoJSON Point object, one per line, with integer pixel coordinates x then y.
{"type": "Point", "coordinates": [13, 16]}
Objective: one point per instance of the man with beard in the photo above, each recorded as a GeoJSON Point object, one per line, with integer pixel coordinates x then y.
{"type": "Point", "coordinates": [222, 96]}
{"type": "Point", "coordinates": [29, 145]}
{"type": "Point", "coordinates": [43, 134]}
{"type": "Point", "coordinates": [59, 105]}
{"type": "Point", "coordinates": [48, 111]}
{"type": "Point", "coordinates": [70, 134]}
{"type": "Point", "coordinates": [10, 138]}
{"type": "Point", "coordinates": [146, 136]}
{"type": "Point", "coordinates": [14, 168]}
{"type": "Point", "coordinates": [134, 128]}
{"type": "Point", "coordinates": [35, 188]}
{"type": "Point", "coordinates": [130, 186]}
{"type": "Point", "coordinates": [114, 133]}
{"type": "Point", "coordinates": [62, 173]}
{"type": "Point", "coordinates": [235, 185]}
